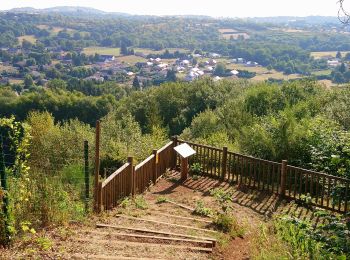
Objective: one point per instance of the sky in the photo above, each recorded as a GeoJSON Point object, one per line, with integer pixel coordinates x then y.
{"type": "Point", "coordinates": [216, 8]}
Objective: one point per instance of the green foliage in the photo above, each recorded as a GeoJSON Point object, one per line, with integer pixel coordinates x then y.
{"type": "Point", "coordinates": [140, 202]}
{"type": "Point", "coordinates": [326, 241]}
{"type": "Point", "coordinates": [201, 210]}
{"type": "Point", "coordinates": [226, 223]}
{"type": "Point", "coordinates": [196, 169]}
{"type": "Point", "coordinates": [162, 199]}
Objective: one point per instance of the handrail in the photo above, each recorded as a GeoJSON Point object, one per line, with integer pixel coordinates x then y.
{"type": "Point", "coordinates": [113, 175]}
{"type": "Point", "coordinates": [253, 158]}
{"type": "Point", "coordinates": [144, 162]}
{"type": "Point", "coordinates": [319, 173]}
{"type": "Point", "coordinates": [165, 147]}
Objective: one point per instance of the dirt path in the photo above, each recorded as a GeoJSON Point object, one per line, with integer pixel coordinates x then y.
{"type": "Point", "coordinates": [119, 240]}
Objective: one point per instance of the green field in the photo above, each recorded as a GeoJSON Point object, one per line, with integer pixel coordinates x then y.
{"type": "Point", "coordinates": [150, 51]}
{"type": "Point", "coordinates": [102, 51]}
{"type": "Point", "coordinates": [29, 38]}
{"type": "Point", "coordinates": [55, 30]}
{"type": "Point", "coordinates": [321, 72]}
{"type": "Point", "coordinates": [320, 54]}
{"type": "Point", "coordinates": [132, 59]}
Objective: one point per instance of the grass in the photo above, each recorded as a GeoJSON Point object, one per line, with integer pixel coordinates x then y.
{"type": "Point", "coordinates": [9, 69]}
{"type": "Point", "coordinates": [101, 51]}
{"type": "Point", "coordinates": [132, 59]}
{"type": "Point", "coordinates": [150, 51]}
{"type": "Point", "coordinates": [29, 38]}
{"type": "Point", "coordinates": [55, 29]}
{"type": "Point", "coordinates": [321, 72]}
{"type": "Point", "coordinates": [16, 81]}
{"type": "Point", "coordinates": [320, 54]}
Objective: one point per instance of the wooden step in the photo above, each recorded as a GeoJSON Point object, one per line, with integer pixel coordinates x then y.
{"type": "Point", "coordinates": [108, 257]}
{"type": "Point", "coordinates": [166, 223]}
{"type": "Point", "coordinates": [97, 240]}
{"type": "Point", "coordinates": [181, 217]}
{"type": "Point", "coordinates": [144, 230]}
{"type": "Point", "coordinates": [207, 243]}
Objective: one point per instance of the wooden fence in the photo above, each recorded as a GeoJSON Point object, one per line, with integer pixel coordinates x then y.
{"type": "Point", "coordinates": [130, 179]}
{"type": "Point", "coordinates": [316, 188]}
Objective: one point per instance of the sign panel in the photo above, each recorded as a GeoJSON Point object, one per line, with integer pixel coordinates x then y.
{"type": "Point", "coordinates": [184, 150]}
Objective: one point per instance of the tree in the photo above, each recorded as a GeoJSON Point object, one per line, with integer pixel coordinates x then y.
{"type": "Point", "coordinates": [171, 75]}
{"type": "Point", "coordinates": [220, 69]}
{"type": "Point", "coordinates": [342, 68]}
{"type": "Point", "coordinates": [343, 15]}
{"type": "Point", "coordinates": [28, 81]}
{"type": "Point", "coordinates": [136, 83]}
{"type": "Point", "coordinates": [123, 48]}
{"type": "Point", "coordinates": [338, 56]}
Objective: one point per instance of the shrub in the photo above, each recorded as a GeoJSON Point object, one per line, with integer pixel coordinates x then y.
{"type": "Point", "coordinates": [202, 210]}
{"type": "Point", "coordinates": [228, 224]}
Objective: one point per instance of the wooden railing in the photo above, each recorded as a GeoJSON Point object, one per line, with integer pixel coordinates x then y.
{"type": "Point", "coordinates": [291, 182]}
{"type": "Point", "coordinates": [131, 180]}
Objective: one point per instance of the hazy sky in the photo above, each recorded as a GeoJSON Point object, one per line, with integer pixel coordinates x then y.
{"type": "Point", "coordinates": [218, 8]}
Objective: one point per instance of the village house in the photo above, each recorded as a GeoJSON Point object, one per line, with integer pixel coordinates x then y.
{"type": "Point", "coordinates": [333, 63]}
{"type": "Point", "coordinates": [107, 58]}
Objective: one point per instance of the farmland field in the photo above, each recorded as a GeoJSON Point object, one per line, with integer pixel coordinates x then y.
{"type": "Point", "coordinates": [150, 51]}
{"type": "Point", "coordinates": [29, 38]}
{"type": "Point", "coordinates": [9, 69]}
{"type": "Point", "coordinates": [101, 51]}
{"type": "Point", "coordinates": [320, 54]}
{"type": "Point", "coordinates": [55, 29]}
{"type": "Point", "coordinates": [132, 59]}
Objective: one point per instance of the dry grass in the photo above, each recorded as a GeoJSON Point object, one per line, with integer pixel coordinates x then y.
{"type": "Point", "coordinates": [29, 38]}
{"type": "Point", "coordinates": [16, 81]}
{"type": "Point", "coordinates": [223, 30]}
{"type": "Point", "coordinates": [132, 59]}
{"type": "Point", "coordinates": [235, 35]}
{"type": "Point", "coordinates": [321, 54]}
{"type": "Point", "coordinates": [9, 69]}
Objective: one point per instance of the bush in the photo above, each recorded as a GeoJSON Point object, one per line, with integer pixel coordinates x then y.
{"type": "Point", "coordinates": [228, 224]}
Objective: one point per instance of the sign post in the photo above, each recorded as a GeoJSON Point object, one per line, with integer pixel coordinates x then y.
{"type": "Point", "coordinates": [185, 151]}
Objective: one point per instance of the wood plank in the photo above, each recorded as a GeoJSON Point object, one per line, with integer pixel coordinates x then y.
{"type": "Point", "coordinates": [107, 257]}
{"type": "Point", "coordinates": [144, 230]}
{"type": "Point", "coordinates": [166, 223]}
{"type": "Point", "coordinates": [97, 240]}
{"type": "Point", "coordinates": [180, 217]}
{"type": "Point", "coordinates": [177, 239]}
{"type": "Point", "coordinates": [180, 205]}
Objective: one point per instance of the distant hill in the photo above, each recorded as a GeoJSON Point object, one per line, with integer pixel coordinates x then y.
{"type": "Point", "coordinates": [65, 10]}
{"type": "Point", "coordinates": [293, 20]}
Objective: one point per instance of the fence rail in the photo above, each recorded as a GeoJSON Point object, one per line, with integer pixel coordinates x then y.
{"type": "Point", "coordinates": [130, 179]}
{"type": "Point", "coordinates": [320, 189]}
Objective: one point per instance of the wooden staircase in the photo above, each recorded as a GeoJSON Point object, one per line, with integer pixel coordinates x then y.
{"type": "Point", "coordinates": [162, 231]}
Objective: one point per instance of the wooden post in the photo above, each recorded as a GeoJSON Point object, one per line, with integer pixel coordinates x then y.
{"type": "Point", "coordinates": [131, 175]}
{"type": "Point", "coordinates": [174, 154]}
{"type": "Point", "coordinates": [87, 175]}
{"type": "Point", "coordinates": [99, 197]}
{"type": "Point", "coordinates": [283, 178]}
{"type": "Point", "coordinates": [97, 164]}
{"type": "Point", "coordinates": [224, 163]}
{"type": "Point", "coordinates": [155, 166]}
{"type": "Point", "coordinates": [184, 169]}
